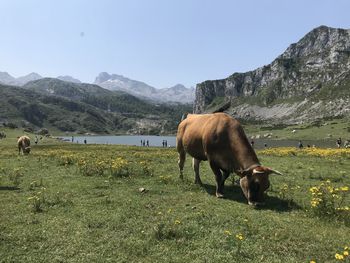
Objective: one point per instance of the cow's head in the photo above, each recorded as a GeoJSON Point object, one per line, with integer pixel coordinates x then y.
{"type": "Point", "coordinates": [255, 182]}
{"type": "Point", "coordinates": [26, 150]}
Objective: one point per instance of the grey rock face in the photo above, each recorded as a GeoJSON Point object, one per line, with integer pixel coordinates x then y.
{"type": "Point", "coordinates": [319, 61]}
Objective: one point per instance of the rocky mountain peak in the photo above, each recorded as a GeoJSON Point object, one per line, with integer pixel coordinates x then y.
{"type": "Point", "coordinates": [6, 78]}
{"type": "Point", "coordinates": [315, 68]}
{"type": "Point", "coordinates": [319, 40]}
{"type": "Point", "coordinates": [102, 77]}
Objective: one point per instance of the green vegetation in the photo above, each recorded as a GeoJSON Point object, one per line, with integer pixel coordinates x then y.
{"type": "Point", "coordinates": [81, 108]}
{"type": "Point", "coordinates": [91, 203]}
{"type": "Point", "coordinates": [319, 130]}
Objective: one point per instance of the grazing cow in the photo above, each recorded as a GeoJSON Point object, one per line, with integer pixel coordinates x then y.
{"type": "Point", "coordinates": [2, 135]}
{"type": "Point", "coordinates": [220, 139]}
{"type": "Point", "coordinates": [23, 144]}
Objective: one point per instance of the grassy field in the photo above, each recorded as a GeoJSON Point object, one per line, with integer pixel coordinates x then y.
{"type": "Point", "coordinates": [90, 203]}
{"type": "Point", "coordinates": [330, 130]}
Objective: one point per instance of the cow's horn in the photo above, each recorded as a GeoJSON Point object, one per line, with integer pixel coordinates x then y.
{"type": "Point", "coordinates": [256, 171]}
{"type": "Point", "coordinates": [275, 172]}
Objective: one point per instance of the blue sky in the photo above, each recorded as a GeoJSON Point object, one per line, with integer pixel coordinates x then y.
{"type": "Point", "coordinates": [160, 42]}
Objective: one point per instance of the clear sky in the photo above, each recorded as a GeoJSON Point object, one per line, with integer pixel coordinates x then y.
{"type": "Point", "coordinates": [160, 42]}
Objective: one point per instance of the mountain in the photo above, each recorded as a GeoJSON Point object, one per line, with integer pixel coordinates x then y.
{"type": "Point", "coordinates": [310, 80]}
{"type": "Point", "coordinates": [7, 79]}
{"type": "Point", "coordinates": [178, 93]}
{"type": "Point", "coordinates": [69, 79]}
{"type": "Point", "coordinates": [81, 107]}
{"type": "Point", "coordinates": [30, 77]}
{"type": "Point", "coordinates": [121, 83]}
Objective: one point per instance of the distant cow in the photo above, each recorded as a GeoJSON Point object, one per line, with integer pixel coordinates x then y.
{"type": "Point", "coordinates": [220, 139]}
{"type": "Point", "coordinates": [2, 135]}
{"type": "Point", "coordinates": [23, 144]}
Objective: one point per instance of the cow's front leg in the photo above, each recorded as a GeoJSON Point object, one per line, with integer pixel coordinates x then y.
{"type": "Point", "coordinates": [218, 178]}
{"type": "Point", "coordinates": [195, 163]}
{"type": "Point", "coordinates": [224, 177]}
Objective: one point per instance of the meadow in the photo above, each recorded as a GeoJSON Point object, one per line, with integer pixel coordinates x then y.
{"type": "Point", "coordinates": [106, 203]}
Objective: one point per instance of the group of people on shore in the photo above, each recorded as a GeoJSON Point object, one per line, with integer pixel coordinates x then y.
{"type": "Point", "coordinates": [346, 143]}
{"type": "Point", "coordinates": [338, 144]}
{"type": "Point", "coordinates": [145, 143]}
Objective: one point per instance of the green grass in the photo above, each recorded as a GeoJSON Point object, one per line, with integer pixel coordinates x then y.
{"type": "Point", "coordinates": [107, 219]}
{"type": "Point", "coordinates": [314, 131]}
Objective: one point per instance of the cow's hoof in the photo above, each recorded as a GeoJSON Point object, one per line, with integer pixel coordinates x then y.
{"type": "Point", "coordinates": [198, 182]}
{"type": "Point", "coordinates": [218, 195]}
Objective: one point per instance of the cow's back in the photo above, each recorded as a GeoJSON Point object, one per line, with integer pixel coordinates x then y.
{"type": "Point", "coordinates": [23, 141]}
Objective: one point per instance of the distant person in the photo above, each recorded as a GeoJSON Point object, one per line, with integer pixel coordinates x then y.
{"type": "Point", "coordinates": [308, 146]}
{"type": "Point", "coordinates": [147, 143]}
{"type": "Point", "coordinates": [36, 140]}
{"type": "Point", "coordinates": [265, 145]}
{"type": "Point", "coordinates": [85, 142]}
{"type": "Point", "coordinates": [347, 144]}
{"type": "Point", "coordinates": [144, 143]}
{"type": "Point", "coordinates": [72, 138]}
{"type": "Point", "coordinates": [163, 143]}
{"type": "Point", "coordinates": [166, 143]}
{"type": "Point", "coordinates": [300, 145]}
{"type": "Point", "coordinates": [252, 143]}
{"type": "Point", "coordinates": [339, 142]}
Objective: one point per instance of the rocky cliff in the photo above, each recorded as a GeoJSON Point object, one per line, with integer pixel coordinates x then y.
{"type": "Point", "coordinates": [311, 79]}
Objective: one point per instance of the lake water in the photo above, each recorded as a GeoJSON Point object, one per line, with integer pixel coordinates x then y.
{"type": "Point", "coordinates": [157, 141]}
{"type": "Point", "coordinates": [154, 141]}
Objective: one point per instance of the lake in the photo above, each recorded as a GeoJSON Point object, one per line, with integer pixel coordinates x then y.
{"type": "Point", "coordinates": [157, 141]}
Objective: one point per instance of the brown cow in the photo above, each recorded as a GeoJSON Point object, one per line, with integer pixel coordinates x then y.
{"type": "Point", "coordinates": [220, 139]}
{"type": "Point", "coordinates": [23, 144]}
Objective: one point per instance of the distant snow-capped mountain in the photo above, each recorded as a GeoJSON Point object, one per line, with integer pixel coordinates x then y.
{"type": "Point", "coordinates": [68, 79]}
{"type": "Point", "coordinates": [7, 79]}
{"type": "Point", "coordinates": [179, 93]}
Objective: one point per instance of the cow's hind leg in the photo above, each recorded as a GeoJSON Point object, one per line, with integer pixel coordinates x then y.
{"type": "Point", "coordinates": [218, 177]}
{"type": "Point", "coordinates": [181, 163]}
{"type": "Point", "coordinates": [195, 163]}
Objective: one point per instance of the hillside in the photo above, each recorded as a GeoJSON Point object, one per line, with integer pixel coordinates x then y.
{"type": "Point", "coordinates": [83, 108]}
{"type": "Point", "coordinates": [310, 80]}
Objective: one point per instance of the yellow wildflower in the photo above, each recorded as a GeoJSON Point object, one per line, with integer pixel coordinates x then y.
{"type": "Point", "coordinates": [339, 256]}
{"type": "Point", "coordinates": [240, 236]}
{"type": "Point", "coordinates": [177, 222]}
{"type": "Point", "coordinates": [227, 233]}
{"type": "Point", "coordinates": [346, 253]}
{"type": "Point", "coordinates": [344, 188]}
